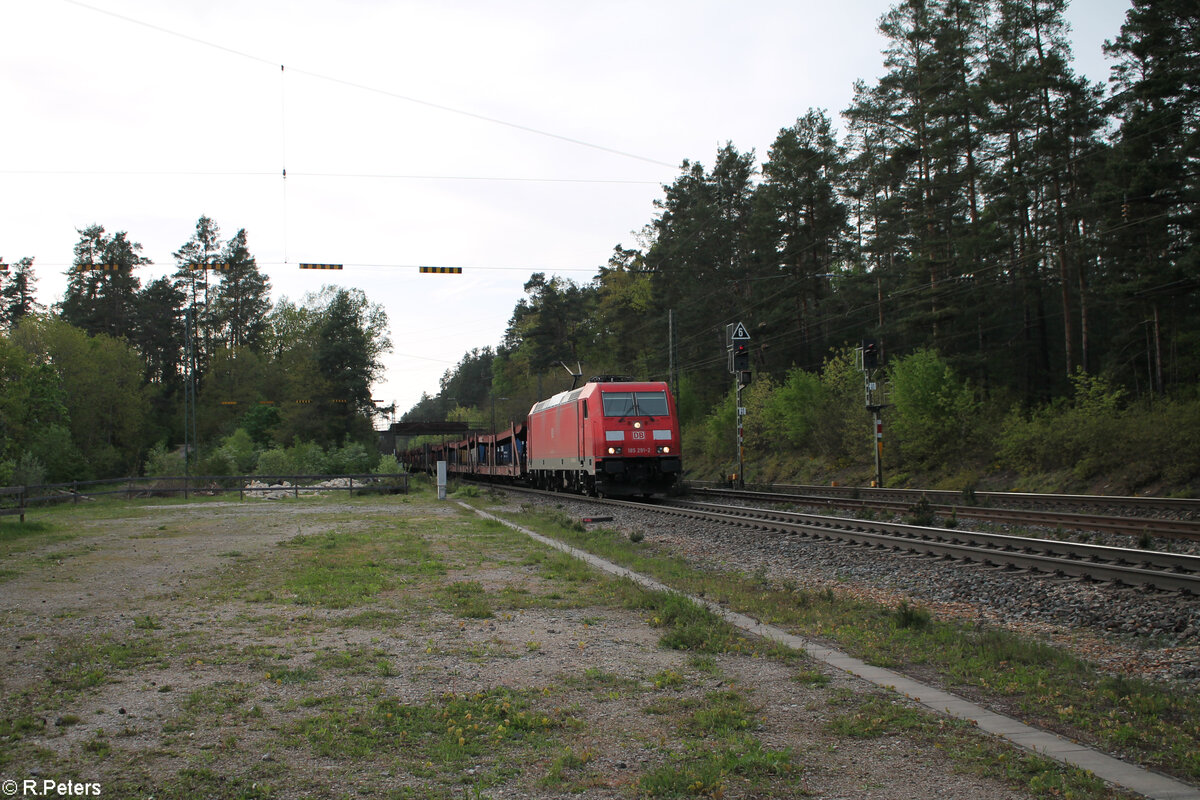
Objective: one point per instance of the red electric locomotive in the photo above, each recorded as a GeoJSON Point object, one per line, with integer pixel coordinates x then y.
{"type": "Point", "coordinates": [610, 436]}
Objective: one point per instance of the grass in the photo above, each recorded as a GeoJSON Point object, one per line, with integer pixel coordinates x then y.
{"type": "Point", "coordinates": [359, 660]}
{"type": "Point", "coordinates": [436, 736]}
{"type": "Point", "coordinates": [716, 750]}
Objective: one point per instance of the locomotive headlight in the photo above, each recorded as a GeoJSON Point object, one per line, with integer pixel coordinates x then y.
{"type": "Point", "coordinates": [612, 451]}
{"type": "Point", "coordinates": [637, 424]}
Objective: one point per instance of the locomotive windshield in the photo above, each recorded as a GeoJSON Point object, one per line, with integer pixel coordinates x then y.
{"type": "Point", "coordinates": [635, 404]}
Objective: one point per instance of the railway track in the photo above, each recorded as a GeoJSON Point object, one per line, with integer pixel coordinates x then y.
{"type": "Point", "coordinates": [939, 502]}
{"type": "Point", "coordinates": [1119, 565]}
{"type": "Point", "coordinates": [1183, 508]}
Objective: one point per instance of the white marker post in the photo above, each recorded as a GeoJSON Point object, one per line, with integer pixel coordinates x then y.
{"type": "Point", "coordinates": [441, 480]}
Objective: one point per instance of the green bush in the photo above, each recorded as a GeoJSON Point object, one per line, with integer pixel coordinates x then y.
{"type": "Point", "coordinates": [388, 465]}
{"type": "Point", "coordinates": [1088, 435]}
{"type": "Point", "coordinates": [216, 463]}
{"type": "Point", "coordinates": [239, 451]}
{"type": "Point", "coordinates": [161, 463]}
{"type": "Point", "coordinates": [308, 458]}
{"type": "Point", "coordinates": [54, 448]}
{"type": "Point", "coordinates": [351, 458]}
{"type": "Point", "coordinates": [274, 462]}
{"type": "Point", "coordinates": [845, 425]}
{"type": "Point", "coordinates": [934, 415]}
{"type": "Point", "coordinates": [793, 412]}
{"type": "Point", "coordinates": [29, 471]}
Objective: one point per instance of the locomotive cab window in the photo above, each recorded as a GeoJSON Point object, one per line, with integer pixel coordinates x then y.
{"type": "Point", "coordinates": [635, 404]}
{"type": "Point", "coordinates": [651, 404]}
{"type": "Point", "coordinates": [618, 404]}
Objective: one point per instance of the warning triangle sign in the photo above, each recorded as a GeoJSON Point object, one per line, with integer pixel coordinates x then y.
{"type": "Point", "coordinates": [739, 332]}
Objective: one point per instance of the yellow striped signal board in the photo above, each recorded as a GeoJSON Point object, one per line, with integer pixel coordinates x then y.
{"type": "Point", "coordinates": [98, 267]}
{"type": "Point", "coordinates": [320, 266]}
{"type": "Point", "coordinates": [443, 270]}
{"type": "Point", "coordinates": [3, 267]}
{"type": "Point", "coordinates": [209, 266]}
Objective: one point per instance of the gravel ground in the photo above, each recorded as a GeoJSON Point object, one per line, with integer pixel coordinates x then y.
{"type": "Point", "coordinates": [204, 587]}
{"type": "Point", "coordinates": [1125, 630]}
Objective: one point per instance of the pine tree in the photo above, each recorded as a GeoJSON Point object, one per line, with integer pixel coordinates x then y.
{"type": "Point", "coordinates": [701, 261]}
{"type": "Point", "coordinates": [242, 299]}
{"type": "Point", "coordinates": [803, 222]}
{"type": "Point", "coordinates": [193, 261]}
{"type": "Point", "coordinates": [1151, 190]}
{"type": "Point", "coordinates": [18, 298]}
{"type": "Point", "coordinates": [103, 300]}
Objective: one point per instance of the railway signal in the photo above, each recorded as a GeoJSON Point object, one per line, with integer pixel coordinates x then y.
{"type": "Point", "coordinates": [3, 266]}
{"type": "Point", "coordinates": [320, 266]}
{"type": "Point", "coordinates": [870, 354]}
{"type": "Point", "coordinates": [441, 270]}
{"type": "Point", "coordinates": [873, 391]}
{"type": "Point", "coordinates": [737, 342]}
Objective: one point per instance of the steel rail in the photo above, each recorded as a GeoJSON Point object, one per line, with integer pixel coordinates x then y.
{"type": "Point", "coordinates": [1126, 566]}
{"type": "Point", "coordinates": [1165, 571]}
{"type": "Point", "coordinates": [1188, 529]}
{"type": "Point", "coordinates": [1179, 507]}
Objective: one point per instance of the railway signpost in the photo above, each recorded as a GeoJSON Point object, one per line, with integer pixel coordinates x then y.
{"type": "Point", "coordinates": [874, 398]}
{"type": "Point", "coordinates": [737, 342]}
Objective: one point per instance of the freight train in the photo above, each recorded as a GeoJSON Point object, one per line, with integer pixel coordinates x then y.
{"type": "Point", "coordinates": [611, 437]}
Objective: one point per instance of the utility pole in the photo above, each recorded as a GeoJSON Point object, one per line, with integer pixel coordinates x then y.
{"type": "Point", "coordinates": [672, 378]}
{"type": "Point", "coordinates": [737, 342]}
{"type": "Point", "coordinates": [189, 396]}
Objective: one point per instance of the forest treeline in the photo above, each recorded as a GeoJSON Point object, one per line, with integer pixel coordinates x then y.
{"type": "Point", "coordinates": [124, 379]}
{"type": "Point", "coordinates": [1020, 242]}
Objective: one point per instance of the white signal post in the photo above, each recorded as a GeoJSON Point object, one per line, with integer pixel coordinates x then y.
{"type": "Point", "coordinates": [737, 342]}
{"type": "Point", "coordinates": [872, 376]}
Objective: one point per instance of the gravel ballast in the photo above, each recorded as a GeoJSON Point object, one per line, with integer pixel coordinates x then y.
{"type": "Point", "coordinates": [1122, 629]}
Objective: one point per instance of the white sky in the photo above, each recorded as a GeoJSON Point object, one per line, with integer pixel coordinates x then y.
{"type": "Point", "coordinates": [109, 117]}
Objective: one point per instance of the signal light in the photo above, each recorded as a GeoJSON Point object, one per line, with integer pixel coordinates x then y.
{"type": "Point", "coordinates": [870, 354]}
{"type": "Point", "coordinates": [741, 357]}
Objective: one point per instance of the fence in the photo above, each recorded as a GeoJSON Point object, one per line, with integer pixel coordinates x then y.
{"type": "Point", "coordinates": [16, 500]}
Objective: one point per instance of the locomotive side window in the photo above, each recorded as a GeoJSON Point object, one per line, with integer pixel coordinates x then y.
{"type": "Point", "coordinates": [618, 404]}
{"type": "Point", "coordinates": [651, 404]}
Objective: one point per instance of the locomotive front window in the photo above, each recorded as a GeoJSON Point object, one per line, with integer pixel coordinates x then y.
{"type": "Point", "coordinates": [651, 404]}
{"type": "Point", "coordinates": [635, 404]}
{"type": "Point", "coordinates": [618, 404]}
